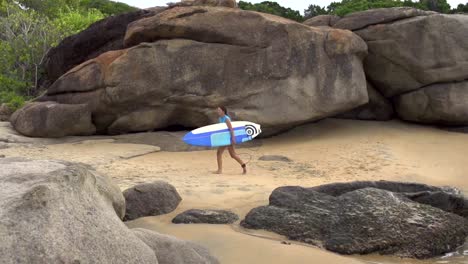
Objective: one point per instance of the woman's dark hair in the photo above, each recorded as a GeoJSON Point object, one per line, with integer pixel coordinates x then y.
{"type": "Point", "coordinates": [224, 109]}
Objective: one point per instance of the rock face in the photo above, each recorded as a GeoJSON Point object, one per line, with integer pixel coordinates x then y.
{"type": "Point", "coordinates": [100, 37]}
{"type": "Point", "coordinates": [445, 104]}
{"type": "Point", "coordinates": [322, 21]}
{"type": "Point", "coordinates": [50, 119]}
{"type": "Point", "coordinates": [171, 250]}
{"type": "Point", "coordinates": [401, 65]}
{"type": "Point", "coordinates": [378, 108]}
{"type": "Point", "coordinates": [184, 62]}
{"type": "Point", "coordinates": [401, 55]}
{"type": "Point", "coordinates": [446, 198]}
{"type": "Point", "coordinates": [360, 20]}
{"type": "Point", "coordinates": [361, 220]}
{"type": "Point", "coordinates": [150, 199]}
{"type": "Point", "coordinates": [58, 212]}
{"type": "Point", "coordinates": [196, 216]}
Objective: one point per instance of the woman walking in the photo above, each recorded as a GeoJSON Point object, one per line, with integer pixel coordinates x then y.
{"type": "Point", "coordinates": [224, 118]}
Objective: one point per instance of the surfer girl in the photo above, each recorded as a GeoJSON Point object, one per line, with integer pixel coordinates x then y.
{"type": "Point", "coordinates": [224, 118]}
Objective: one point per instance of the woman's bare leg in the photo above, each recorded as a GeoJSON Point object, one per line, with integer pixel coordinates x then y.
{"type": "Point", "coordinates": [232, 152]}
{"type": "Point", "coordinates": [219, 156]}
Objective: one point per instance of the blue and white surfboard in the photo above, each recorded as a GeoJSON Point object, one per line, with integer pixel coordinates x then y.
{"type": "Point", "coordinates": [218, 135]}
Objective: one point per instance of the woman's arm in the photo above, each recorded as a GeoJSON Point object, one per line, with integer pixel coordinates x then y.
{"type": "Point", "coordinates": [233, 138]}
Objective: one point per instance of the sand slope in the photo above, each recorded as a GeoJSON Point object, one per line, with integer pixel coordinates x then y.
{"type": "Point", "coordinates": [329, 151]}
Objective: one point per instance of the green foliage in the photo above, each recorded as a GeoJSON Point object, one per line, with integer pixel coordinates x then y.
{"type": "Point", "coordinates": [350, 6]}
{"type": "Point", "coordinates": [107, 7]}
{"type": "Point", "coordinates": [314, 10]}
{"type": "Point", "coordinates": [461, 8]}
{"type": "Point", "coordinates": [27, 34]}
{"type": "Point", "coordinates": [272, 8]}
{"type": "Point", "coordinates": [11, 92]}
{"type": "Point", "coordinates": [72, 21]}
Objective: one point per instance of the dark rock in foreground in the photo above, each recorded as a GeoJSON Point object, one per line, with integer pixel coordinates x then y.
{"type": "Point", "coordinates": [171, 250]}
{"type": "Point", "coordinates": [196, 216]}
{"type": "Point", "coordinates": [445, 198]}
{"type": "Point", "coordinates": [361, 218]}
{"type": "Point", "coordinates": [59, 212]}
{"type": "Point", "coordinates": [150, 199]}
{"type": "Point", "coordinates": [62, 212]}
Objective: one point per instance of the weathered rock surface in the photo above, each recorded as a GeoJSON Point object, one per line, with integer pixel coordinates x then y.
{"type": "Point", "coordinates": [401, 54]}
{"type": "Point", "coordinates": [275, 158]}
{"type": "Point", "coordinates": [378, 108]}
{"type": "Point", "coordinates": [444, 104]}
{"type": "Point", "coordinates": [100, 37]}
{"type": "Point", "coordinates": [150, 199]}
{"type": "Point", "coordinates": [302, 73]}
{"type": "Point", "coordinates": [59, 212]}
{"type": "Point", "coordinates": [361, 20]}
{"type": "Point", "coordinates": [5, 112]}
{"type": "Point", "coordinates": [322, 21]}
{"type": "Point", "coordinates": [50, 119]}
{"type": "Point", "coordinates": [446, 198]}
{"type": "Point", "coordinates": [360, 221]}
{"type": "Point", "coordinates": [171, 250]}
{"type": "Point", "coordinates": [197, 216]}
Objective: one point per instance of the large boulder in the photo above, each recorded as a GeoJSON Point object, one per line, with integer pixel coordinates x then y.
{"type": "Point", "coordinates": [360, 221]}
{"type": "Point", "coordinates": [102, 36]}
{"type": "Point", "coordinates": [444, 104]}
{"type": "Point", "coordinates": [322, 21]}
{"type": "Point", "coordinates": [59, 212]}
{"type": "Point", "coordinates": [150, 199]}
{"type": "Point", "coordinates": [186, 61]}
{"type": "Point", "coordinates": [378, 108]}
{"type": "Point", "coordinates": [51, 119]}
{"type": "Point", "coordinates": [363, 19]}
{"type": "Point", "coordinates": [446, 198]}
{"type": "Point", "coordinates": [171, 250]}
{"type": "Point", "coordinates": [401, 53]}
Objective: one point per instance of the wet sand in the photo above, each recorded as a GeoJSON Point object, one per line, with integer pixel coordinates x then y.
{"type": "Point", "coordinates": [329, 151]}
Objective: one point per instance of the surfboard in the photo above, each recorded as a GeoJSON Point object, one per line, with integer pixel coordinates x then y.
{"type": "Point", "coordinates": [218, 135]}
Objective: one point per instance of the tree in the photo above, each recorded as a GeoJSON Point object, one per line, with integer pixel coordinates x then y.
{"type": "Point", "coordinates": [272, 8]}
{"type": "Point", "coordinates": [440, 6]}
{"type": "Point", "coordinates": [25, 39]}
{"type": "Point", "coordinates": [26, 36]}
{"type": "Point", "coordinates": [314, 10]}
{"type": "Point", "coordinates": [107, 7]}
{"type": "Point", "coordinates": [461, 8]}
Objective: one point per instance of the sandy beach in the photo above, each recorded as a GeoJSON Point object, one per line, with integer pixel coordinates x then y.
{"type": "Point", "coordinates": [328, 151]}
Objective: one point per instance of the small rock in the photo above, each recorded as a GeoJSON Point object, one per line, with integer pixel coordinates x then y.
{"type": "Point", "coordinates": [196, 216]}
{"type": "Point", "coordinates": [2, 156]}
{"type": "Point", "coordinates": [275, 158]}
{"type": "Point", "coordinates": [285, 243]}
{"type": "Point", "coordinates": [150, 199]}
